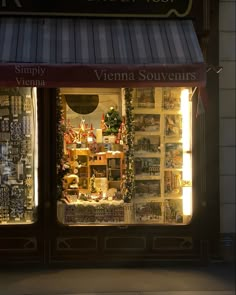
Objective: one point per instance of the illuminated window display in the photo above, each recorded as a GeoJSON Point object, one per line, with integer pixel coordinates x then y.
{"type": "Point", "coordinates": [124, 156]}
{"type": "Point", "coordinates": [18, 156]}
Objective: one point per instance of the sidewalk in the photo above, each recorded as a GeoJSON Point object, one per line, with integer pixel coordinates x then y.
{"type": "Point", "coordinates": [217, 279]}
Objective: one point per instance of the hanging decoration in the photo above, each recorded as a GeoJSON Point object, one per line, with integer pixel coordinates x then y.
{"type": "Point", "coordinates": [129, 184]}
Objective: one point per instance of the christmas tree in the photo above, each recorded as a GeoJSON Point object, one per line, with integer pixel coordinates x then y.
{"type": "Point", "coordinates": [113, 121]}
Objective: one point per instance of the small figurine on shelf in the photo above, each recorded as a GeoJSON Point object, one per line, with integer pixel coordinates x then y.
{"type": "Point", "coordinates": [92, 184]}
{"type": "Point", "coordinates": [82, 125]}
{"type": "Point", "coordinates": [91, 139]}
{"type": "Point", "coordinates": [71, 181]}
{"type": "Point", "coordinates": [118, 195]}
{"type": "Point", "coordinates": [118, 137]}
{"type": "Point", "coordinates": [123, 132]}
{"type": "Point", "coordinates": [91, 136]}
{"type": "Point", "coordinates": [82, 134]}
{"type": "Point", "coordinates": [103, 126]}
{"type": "Point", "coordinates": [83, 197]}
{"type": "Point", "coordinates": [100, 195]}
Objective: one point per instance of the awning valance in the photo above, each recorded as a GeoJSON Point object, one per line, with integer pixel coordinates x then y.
{"type": "Point", "coordinates": [67, 52]}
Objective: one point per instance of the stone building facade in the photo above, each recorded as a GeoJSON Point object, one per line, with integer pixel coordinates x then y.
{"type": "Point", "coordinates": [227, 147]}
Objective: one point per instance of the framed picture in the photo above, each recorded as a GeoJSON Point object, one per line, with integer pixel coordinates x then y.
{"type": "Point", "coordinates": [173, 155]}
{"type": "Point", "coordinates": [172, 183]}
{"type": "Point", "coordinates": [144, 98]}
{"type": "Point", "coordinates": [173, 211]}
{"type": "Point", "coordinates": [147, 144]}
{"type": "Point", "coordinates": [171, 99]}
{"type": "Point", "coordinates": [148, 212]}
{"type": "Point", "coordinates": [147, 188]}
{"type": "Point", "coordinates": [173, 125]}
{"type": "Point", "coordinates": [147, 167]}
{"type": "Point", "coordinates": [147, 122]}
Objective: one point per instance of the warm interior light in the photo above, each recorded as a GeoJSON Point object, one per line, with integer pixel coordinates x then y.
{"type": "Point", "coordinates": [187, 200]}
{"type": "Point", "coordinates": [187, 167]}
{"type": "Point", "coordinates": [186, 126]}
{"type": "Point", "coordinates": [35, 145]}
{"type": "Point", "coordinates": [90, 139]}
{"type": "Point", "coordinates": [187, 156]}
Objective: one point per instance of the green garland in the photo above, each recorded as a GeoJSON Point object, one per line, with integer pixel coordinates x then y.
{"type": "Point", "coordinates": [60, 126]}
{"type": "Point", "coordinates": [130, 146]}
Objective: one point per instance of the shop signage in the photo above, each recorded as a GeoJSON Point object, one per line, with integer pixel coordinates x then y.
{"type": "Point", "coordinates": [23, 75]}
{"type": "Point", "coordinates": [147, 8]}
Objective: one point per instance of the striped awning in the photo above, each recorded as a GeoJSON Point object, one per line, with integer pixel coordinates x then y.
{"type": "Point", "coordinates": [96, 52]}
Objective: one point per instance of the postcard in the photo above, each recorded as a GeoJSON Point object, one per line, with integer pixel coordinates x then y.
{"type": "Point", "coordinates": [147, 166]}
{"type": "Point", "coordinates": [148, 212]}
{"type": "Point", "coordinates": [147, 144]}
{"type": "Point", "coordinates": [172, 182]}
{"type": "Point", "coordinates": [173, 125]}
{"type": "Point", "coordinates": [173, 211]}
{"type": "Point", "coordinates": [147, 188]}
{"type": "Point", "coordinates": [173, 155]}
{"type": "Point", "coordinates": [144, 98]}
{"type": "Point", "coordinates": [171, 99]}
{"type": "Point", "coordinates": [147, 122]}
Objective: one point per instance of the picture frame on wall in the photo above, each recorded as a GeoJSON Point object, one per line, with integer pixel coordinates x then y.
{"type": "Point", "coordinates": [173, 155]}
{"type": "Point", "coordinates": [171, 99]}
{"type": "Point", "coordinates": [148, 166]}
{"type": "Point", "coordinates": [147, 122]}
{"type": "Point", "coordinates": [148, 188]}
{"type": "Point", "coordinates": [144, 98]}
{"type": "Point", "coordinates": [147, 144]}
{"type": "Point", "coordinates": [148, 212]}
{"type": "Point", "coordinates": [173, 183]}
{"type": "Point", "coordinates": [173, 209]}
{"type": "Point", "coordinates": [173, 125]}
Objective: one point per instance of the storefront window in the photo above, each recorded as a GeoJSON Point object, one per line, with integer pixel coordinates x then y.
{"type": "Point", "coordinates": [18, 156]}
{"type": "Point", "coordinates": [124, 156]}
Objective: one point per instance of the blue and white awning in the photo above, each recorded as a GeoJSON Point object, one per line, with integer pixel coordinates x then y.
{"type": "Point", "coordinates": [113, 45]}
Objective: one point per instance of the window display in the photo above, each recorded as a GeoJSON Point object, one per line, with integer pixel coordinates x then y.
{"type": "Point", "coordinates": [128, 159]}
{"type": "Point", "coordinates": [18, 155]}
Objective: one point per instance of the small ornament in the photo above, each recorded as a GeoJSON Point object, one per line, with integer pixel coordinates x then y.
{"type": "Point", "coordinates": [29, 181]}
{"type": "Point", "coordinates": [92, 184]}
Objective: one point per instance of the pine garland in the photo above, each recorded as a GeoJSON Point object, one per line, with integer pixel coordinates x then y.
{"type": "Point", "coordinates": [60, 126]}
{"type": "Point", "coordinates": [130, 146]}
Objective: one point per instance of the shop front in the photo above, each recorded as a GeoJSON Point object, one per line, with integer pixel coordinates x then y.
{"type": "Point", "coordinates": [101, 151]}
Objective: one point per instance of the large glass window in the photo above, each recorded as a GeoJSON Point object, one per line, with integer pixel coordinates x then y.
{"type": "Point", "coordinates": [18, 155]}
{"type": "Point", "coordinates": [124, 156]}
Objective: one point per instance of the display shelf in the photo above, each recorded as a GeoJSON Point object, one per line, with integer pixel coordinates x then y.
{"type": "Point", "coordinates": [18, 122]}
{"type": "Point", "coordinates": [115, 169]}
{"type": "Point", "coordinates": [158, 157]}
{"type": "Point", "coordinates": [89, 212]}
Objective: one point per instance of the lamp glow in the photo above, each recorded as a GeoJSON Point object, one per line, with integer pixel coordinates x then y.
{"type": "Point", "coordinates": [89, 139]}
{"type": "Point", "coordinates": [186, 126]}
{"type": "Point", "coordinates": [187, 200]}
{"type": "Point", "coordinates": [187, 167]}
{"type": "Point", "coordinates": [35, 144]}
{"type": "Point", "coordinates": [187, 156]}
